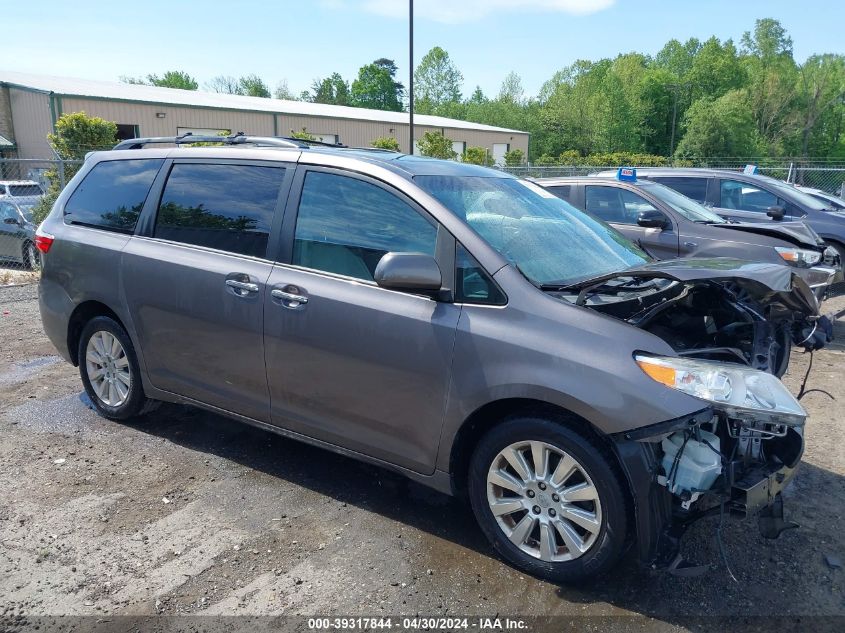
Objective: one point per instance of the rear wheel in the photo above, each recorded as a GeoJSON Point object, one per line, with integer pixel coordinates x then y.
{"type": "Point", "coordinates": [548, 499]}
{"type": "Point", "coordinates": [31, 257]}
{"type": "Point", "coordinates": [109, 369]}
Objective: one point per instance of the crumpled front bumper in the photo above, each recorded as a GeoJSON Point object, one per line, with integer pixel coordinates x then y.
{"type": "Point", "coordinates": [819, 278]}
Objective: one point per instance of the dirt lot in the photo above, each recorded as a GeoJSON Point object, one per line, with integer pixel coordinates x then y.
{"type": "Point", "coordinates": [188, 513]}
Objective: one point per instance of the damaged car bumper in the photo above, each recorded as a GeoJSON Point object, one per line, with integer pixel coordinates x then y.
{"type": "Point", "coordinates": [756, 463]}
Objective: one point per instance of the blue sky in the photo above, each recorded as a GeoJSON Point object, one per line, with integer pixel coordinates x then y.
{"type": "Point", "coordinates": [301, 40]}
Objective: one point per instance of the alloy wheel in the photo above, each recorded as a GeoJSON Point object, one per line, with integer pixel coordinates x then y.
{"type": "Point", "coordinates": [544, 501]}
{"type": "Point", "coordinates": [108, 368]}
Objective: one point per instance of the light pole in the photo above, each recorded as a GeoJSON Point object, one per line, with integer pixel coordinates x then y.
{"type": "Point", "coordinates": [411, 66]}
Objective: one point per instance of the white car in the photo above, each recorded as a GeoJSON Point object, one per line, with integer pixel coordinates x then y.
{"type": "Point", "coordinates": [833, 200]}
{"type": "Point", "coordinates": [24, 192]}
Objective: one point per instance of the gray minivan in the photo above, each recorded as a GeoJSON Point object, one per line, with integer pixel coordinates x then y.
{"type": "Point", "coordinates": [455, 324]}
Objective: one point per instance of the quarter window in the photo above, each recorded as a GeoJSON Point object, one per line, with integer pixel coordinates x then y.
{"type": "Point", "coordinates": [345, 226]}
{"type": "Point", "coordinates": [474, 285]}
{"type": "Point", "coordinates": [112, 194]}
{"type": "Point", "coordinates": [562, 191]}
{"type": "Point", "coordinates": [226, 207]}
{"type": "Point", "coordinates": [743, 196]}
{"type": "Point", "coordinates": [617, 205]}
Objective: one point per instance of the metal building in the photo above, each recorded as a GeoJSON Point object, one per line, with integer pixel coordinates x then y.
{"type": "Point", "coordinates": [30, 105]}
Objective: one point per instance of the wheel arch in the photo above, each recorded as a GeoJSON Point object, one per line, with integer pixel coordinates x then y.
{"type": "Point", "coordinates": [81, 315]}
{"type": "Point", "coordinates": [493, 413]}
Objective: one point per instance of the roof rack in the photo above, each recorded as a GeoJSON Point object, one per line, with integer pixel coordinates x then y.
{"type": "Point", "coordinates": [235, 139]}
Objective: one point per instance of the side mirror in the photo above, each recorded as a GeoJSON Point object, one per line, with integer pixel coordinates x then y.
{"type": "Point", "coordinates": [651, 219]}
{"type": "Point", "coordinates": [776, 213]}
{"type": "Point", "coordinates": [11, 221]}
{"type": "Point", "coordinates": [412, 272]}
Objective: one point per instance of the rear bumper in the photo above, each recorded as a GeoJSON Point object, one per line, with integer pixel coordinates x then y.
{"type": "Point", "coordinates": [56, 307]}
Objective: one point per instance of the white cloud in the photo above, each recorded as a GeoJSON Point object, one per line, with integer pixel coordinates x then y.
{"type": "Point", "coordinates": [458, 11]}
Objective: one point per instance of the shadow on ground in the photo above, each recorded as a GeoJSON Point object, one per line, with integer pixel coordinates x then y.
{"type": "Point", "coordinates": [785, 577]}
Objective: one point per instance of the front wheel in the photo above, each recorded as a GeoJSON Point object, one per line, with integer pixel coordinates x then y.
{"type": "Point", "coordinates": [110, 372]}
{"type": "Point", "coordinates": [31, 257]}
{"type": "Point", "coordinates": [548, 499]}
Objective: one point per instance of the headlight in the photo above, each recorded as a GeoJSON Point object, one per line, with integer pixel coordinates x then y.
{"type": "Point", "coordinates": [799, 256]}
{"type": "Point", "coordinates": [739, 391]}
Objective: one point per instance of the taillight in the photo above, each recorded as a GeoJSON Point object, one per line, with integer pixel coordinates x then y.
{"type": "Point", "coordinates": [43, 241]}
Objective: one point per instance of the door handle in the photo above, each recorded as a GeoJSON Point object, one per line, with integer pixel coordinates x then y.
{"type": "Point", "coordinates": [690, 244]}
{"type": "Point", "coordinates": [289, 299]}
{"type": "Point", "coordinates": [243, 286]}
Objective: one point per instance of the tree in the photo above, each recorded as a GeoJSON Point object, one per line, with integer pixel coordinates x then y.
{"type": "Point", "coordinates": [821, 87]}
{"type": "Point", "coordinates": [478, 156]}
{"type": "Point", "coordinates": [376, 87]}
{"type": "Point", "coordinates": [514, 157]}
{"type": "Point", "coordinates": [438, 81]}
{"type": "Point", "coordinates": [436, 145]}
{"type": "Point", "coordinates": [224, 84]}
{"type": "Point", "coordinates": [720, 127]}
{"type": "Point", "coordinates": [386, 142]}
{"type": "Point", "coordinates": [170, 79]}
{"type": "Point", "coordinates": [768, 42]}
{"type": "Point", "coordinates": [283, 92]}
{"type": "Point", "coordinates": [333, 90]}
{"type": "Point", "coordinates": [76, 135]}
{"type": "Point", "coordinates": [512, 90]}
{"type": "Point", "coordinates": [253, 86]}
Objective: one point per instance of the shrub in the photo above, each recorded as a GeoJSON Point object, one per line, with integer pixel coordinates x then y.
{"type": "Point", "coordinates": [436, 145]}
{"type": "Point", "coordinates": [478, 156]}
{"type": "Point", "coordinates": [514, 157]}
{"type": "Point", "coordinates": [386, 142]}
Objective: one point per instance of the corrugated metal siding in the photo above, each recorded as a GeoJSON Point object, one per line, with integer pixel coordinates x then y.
{"type": "Point", "coordinates": [32, 122]}
{"type": "Point", "coordinates": [352, 132]}
{"type": "Point", "coordinates": [144, 116]}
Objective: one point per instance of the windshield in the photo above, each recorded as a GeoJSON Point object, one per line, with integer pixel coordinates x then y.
{"type": "Point", "coordinates": [26, 210]}
{"type": "Point", "coordinates": [549, 240]}
{"type": "Point", "coordinates": [687, 207]}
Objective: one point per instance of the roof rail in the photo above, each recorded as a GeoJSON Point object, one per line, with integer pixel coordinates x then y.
{"type": "Point", "coordinates": [307, 141]}
{"type": "Point", "coordinates": [235, 139]}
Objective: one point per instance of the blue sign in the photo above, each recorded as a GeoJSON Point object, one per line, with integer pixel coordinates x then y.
{"type": "Point", "coordinates": [750, 170]}
{"type": "Point", "coordinates": [627, 174]}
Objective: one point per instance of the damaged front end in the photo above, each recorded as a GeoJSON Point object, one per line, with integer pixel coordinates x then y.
{"type": "Point", "coordinates": [732, 325]}
{"type": "Point", "coordinates": [715, 309]}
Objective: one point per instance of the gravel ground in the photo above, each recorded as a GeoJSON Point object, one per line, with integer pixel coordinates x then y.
{"type": "Point", "coordinates": [186, 512]}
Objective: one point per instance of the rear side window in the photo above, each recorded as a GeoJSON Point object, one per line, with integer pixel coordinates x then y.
{"type": "Point", "coordinates": [561, 191]}
{"type": "Point", "coordinates": [112, 194]}
{"type": "Point", "coordinates": [226, 207]}
{"type": "Point", "coordinates": [612, 204]}
{"type": "Point", "coordinates": [695, 188]}
{"type": "Point", "coordinates": [743, 196]}
{"type": "Point", "coordinates": [24, 190]}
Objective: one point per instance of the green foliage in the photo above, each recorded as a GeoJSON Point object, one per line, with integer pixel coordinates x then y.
{"type": "Point", "coordinates": [436, 145]}
{"type": "Point", "coordinates": [76, 135]}
{"type": "Point", "coordinates": [377, 88]}
{"type": "Point", "coordinates": [437, 82]}
{"type": "Point", "coordinates": [283, 92]}
{"type": "Point", "coordinates": [478, 156]}
{"type": "Point", "coordinates": [170, 79]}
{"type": "Point", "coordinates": [253, 86]}
{"type": "Point", "coordinates": [719, 127]}
{"type": "Point", "coordinates": [333, 90]}
{"type": "Point", "coordinates": [386, 142]}
{"type": "Point", "coordinates": [514, 157]}
{"type": "Point", "coordinates": [303, 135]}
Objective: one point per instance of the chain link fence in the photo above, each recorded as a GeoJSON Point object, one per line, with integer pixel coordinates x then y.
{"type": "Point", "coordinates": [24, 181]}
{"type": "Point", "coordinates": [826, 177]}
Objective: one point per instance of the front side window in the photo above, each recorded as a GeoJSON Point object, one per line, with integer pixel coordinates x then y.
{"type": "Point", "coordinates": [112, 194]}
{"type": "Point", "coordinates": [687, 207]}
{"type": "Point", "coordinates": [549, 240]}
{"type": "Point", "coordinates": [345, 226]}
{"type": "Point", "coordinates": [225, 207]}
{"type": "Point", "coordinates": [743, 196]}
{"type": "Point", "coordinates": [614, 204]}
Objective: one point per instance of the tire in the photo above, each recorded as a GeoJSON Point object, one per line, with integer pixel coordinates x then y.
{"type": "Point", "coordinates": [592, 474]}
{"type": "Point", "coordinates": [31, 257]}
{"type": "Point", "coordinates": [124, 398]}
